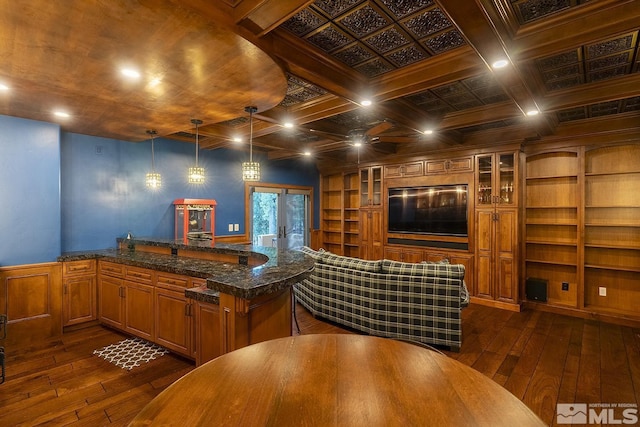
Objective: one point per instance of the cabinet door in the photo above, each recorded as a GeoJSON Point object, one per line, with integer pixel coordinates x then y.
{"type": "Point", "coordinates": [207, 326]}
{"type": "Point", "coordinates": [506, 245]}
{"type": "Point", "coordinates": [371, 246]}
{"type": "Point", "coordinates": [79, 300]}
{"type": "Point", "coordinates": [110, 297]}
{"type": "Point", "coordinates": [139, 313]}
{"type": "Point", "coordinates": [173, 321]}
{"type": "Point", "coordinates": [484, 256]}
{"type": "Point", "coordinates": [469, 274]}
{"type": "Point", "coordinates": [403, 170]}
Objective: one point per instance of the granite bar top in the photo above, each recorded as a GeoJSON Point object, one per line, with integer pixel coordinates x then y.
{"type": "Point", "coordinates": [281, 268]}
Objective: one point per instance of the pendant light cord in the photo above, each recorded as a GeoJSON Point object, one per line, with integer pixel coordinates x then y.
{"type": "Point", "coordinates": [152, 132]}
{"type": "Point", "coordinates": [196, 122]}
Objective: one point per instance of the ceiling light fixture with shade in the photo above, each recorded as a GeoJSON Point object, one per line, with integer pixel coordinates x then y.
{"type": "Point", "coordinates": [250, 169]}
{"type": "Point", "coordinates": [196, 173]}
{"type": "Point", "coordinates": [153, 179]}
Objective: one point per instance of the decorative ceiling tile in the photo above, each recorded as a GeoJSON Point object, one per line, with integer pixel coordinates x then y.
{"type": "Point", "coordinates": [566, 83]}
{"type": "Point", "coordinates": [610, 47]}
{"type": "Point", "coordinates": [560, 60]}
{"type": "Point", "coordinates": [386, 40]}
{"type": "Point", "coordinates": [363, 21]}
{"type": "Point", "coordinates": [485, 126]}
{"type": "Point", "coordinates": [444, 42]}
{"type": "Point", "coordinates": [429, 22]}
{"type": "Point", "coordinates": [334, 8]}
{"type": "Point", "coordinates": [237, 122]}
{"type": "Point", "coordinates": [481, 81]}
{"type": "Point", "coordinates": [571, 114]}
{"type": "Point", "coordinates": [562, 73]}
{"type": "Point", "coordinates": [374, 67]}
{"type": "Point", "coordinates": [449, 90]}
{"type": "Point", "coordinates": [604, 108]}
{"type": "Point", "coordinates": [422, 97]}
{"type": "Point", "coordinates": [329, 38]}
{"type": "Point", "coordinates": [354, 54]}
{"type": "Point", "coordinates": [491, 94]}
{"type": "Point", "coordinates": [610, 61]}
{"type": "Point", "coordinates": [304, 22]}
{"type": "Point", "coordinates": [609, 73]}
{"type": "Point", "coordinates": [402, 8]}
{"type": "Point", "coordinates": [631, 104]}
{"type": "Point", "coordinates": [406, 56]}
{"type": "Point", "coordinates": [530, 10]}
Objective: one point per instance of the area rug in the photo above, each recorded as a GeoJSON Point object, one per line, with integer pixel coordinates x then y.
{"type": "Point", "coordinates": [129, 353]}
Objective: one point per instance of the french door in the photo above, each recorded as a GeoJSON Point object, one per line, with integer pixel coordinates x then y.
{"type": "Point", "coordinates": [280, 216]}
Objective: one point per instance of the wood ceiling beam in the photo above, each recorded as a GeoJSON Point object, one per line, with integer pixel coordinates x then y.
{"type": "Point", "coordinates": [262, 16]}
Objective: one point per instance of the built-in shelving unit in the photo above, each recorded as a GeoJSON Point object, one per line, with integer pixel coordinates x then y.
{"type": "Point", "coordinates": [612, 229]}
{"type": "Point", "coordinates": [552, 200]}
{"type": "Point", "coordinates": [340, 202]}
{"type": "Point", "coordinates": [351, 217]}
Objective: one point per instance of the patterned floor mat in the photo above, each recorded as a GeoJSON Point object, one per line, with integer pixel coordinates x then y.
{"type": "Point", "coordinates": [129, 353]}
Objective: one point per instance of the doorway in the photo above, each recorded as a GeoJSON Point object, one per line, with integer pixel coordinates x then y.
{"type": "Point", "coordinates": [280, 216]}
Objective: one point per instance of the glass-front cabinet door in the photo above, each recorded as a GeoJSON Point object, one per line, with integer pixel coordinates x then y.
{"type": "Point", "coordinates": [496, 179]}
{"type": "Point", "coordinates": [371, 186]}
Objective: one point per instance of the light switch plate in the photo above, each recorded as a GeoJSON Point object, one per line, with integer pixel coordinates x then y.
{"type": "Point", "coordinates": [236, 227]}
{"type": "Point", "coordinates": [230, 227]}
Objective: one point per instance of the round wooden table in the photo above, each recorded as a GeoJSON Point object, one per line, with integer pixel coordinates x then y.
{"type": "Point", "coordinates": [335, 380]}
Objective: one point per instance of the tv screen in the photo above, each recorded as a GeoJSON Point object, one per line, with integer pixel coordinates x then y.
{"type": "Point", "coordinates": [438, 210]}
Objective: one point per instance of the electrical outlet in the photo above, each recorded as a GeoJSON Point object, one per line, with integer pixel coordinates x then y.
{"type": "Point", "coordinates": [236, 227]}
{"type": "Point", "coordinates": [565, 286]}
{"type": "Point", "coordinates": [602, 291]}
{"type": "Point", "coordinates": [230, 227]}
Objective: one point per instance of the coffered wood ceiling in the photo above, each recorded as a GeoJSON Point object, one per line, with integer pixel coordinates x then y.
{"type": "Point", "coordinates": [424, 63]}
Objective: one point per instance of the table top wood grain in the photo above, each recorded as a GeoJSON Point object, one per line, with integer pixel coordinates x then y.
{"type": "Point", "coordinates": [334, 379]}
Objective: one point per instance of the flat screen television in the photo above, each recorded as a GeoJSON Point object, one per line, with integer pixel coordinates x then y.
{"type": "Point", "coordinates": [439, 210]}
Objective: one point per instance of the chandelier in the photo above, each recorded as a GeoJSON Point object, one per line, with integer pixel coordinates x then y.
{"type": "Point", "coordinates": [153, 179]}
{"type": "Point", "coordinates": [196, 173]}
{"type": "Point", "coordinates": [250, 169]}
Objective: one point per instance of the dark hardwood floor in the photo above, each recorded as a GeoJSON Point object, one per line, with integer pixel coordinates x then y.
{"type": "Point", "coordinates": [542, 358]}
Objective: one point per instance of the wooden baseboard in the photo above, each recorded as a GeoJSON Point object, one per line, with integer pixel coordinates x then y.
{"type": "Point", "coordinates": [584, 314]}
{"type": "Point", "coordinates": [496, 304]}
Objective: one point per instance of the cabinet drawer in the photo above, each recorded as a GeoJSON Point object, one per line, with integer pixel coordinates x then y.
{"type": "Point", "coordinates": [138, 275]}
{"type": "Point", "coordinates": [170, 281]}
{"type": "Point", "coordinates": [403, 170]}
{"type": "Point", "coordinates": [464, 164]}
{"type": "Point", "coordinates": [73, 268]}
{"type": "Point", "coordinates": [111, 269]}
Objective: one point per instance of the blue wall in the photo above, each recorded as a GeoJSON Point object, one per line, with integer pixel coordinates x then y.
{"type": "Point", "coordinates": [29, 191]}
{"type": "Point", "coordinates": [82, 191]}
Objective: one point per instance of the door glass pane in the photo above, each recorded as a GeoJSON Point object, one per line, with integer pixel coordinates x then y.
{"type": "Point", "coordinates": [296, 220]}
{"type": "Point", "coordinates": [485, 167]}
{"type": "Point", "coordinates": [265, 219]}
{"type": "Point", "coordinates": [506, 178]}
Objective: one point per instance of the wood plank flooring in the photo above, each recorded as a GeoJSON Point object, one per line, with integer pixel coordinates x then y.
{"type": "Point", "coordinates": [542, 358]}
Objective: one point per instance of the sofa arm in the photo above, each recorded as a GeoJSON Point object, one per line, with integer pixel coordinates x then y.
{"type": "Point", "coordinates": [464, 295]}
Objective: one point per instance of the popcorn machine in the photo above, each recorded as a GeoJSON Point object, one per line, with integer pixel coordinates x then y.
{"type": "Point", "coordinates": [195, 219]}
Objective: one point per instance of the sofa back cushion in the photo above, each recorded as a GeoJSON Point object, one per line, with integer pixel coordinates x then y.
{"type": "Point", "coordinates": [351, 263]}
{"type": "Point", "coordinates": [452, 271]}
{"type": "Point", "coordinates": [312, 253]}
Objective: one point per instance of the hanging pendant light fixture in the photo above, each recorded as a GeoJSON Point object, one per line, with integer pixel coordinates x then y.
{"type": "Point", "coordinates": [250, 169]}
{"type": "Point", "coordinates": [196, 174]}
{"type": "Point", "coordinates": [153, 179]}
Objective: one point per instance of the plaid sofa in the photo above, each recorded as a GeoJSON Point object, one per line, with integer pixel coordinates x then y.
{"type": "Point", "coordinates": [415, 302]}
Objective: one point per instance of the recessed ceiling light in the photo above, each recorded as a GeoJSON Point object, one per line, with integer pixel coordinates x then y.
{"type": "Point", "coordinates": [357, 144]}
{"type": "Point", "coordinates": [501, 63]}
{"type": "Point", "coordinates": [307, 153]}
{"type": "Point", "coordinates": [62, 114]}
{"type": "Point", "coordinates": [365, 102]}
{"type": "Point", "coordinates": [130, 72]}
{"type": "Point", "coordinates": [237, 139]}
{"type": "Point", "coordinates": [288, 125]}
{"type": "Point", "coordinates": [428, 131]}
{"type": "Point", "coordinates": [4, 87]}
{"type": "Point", "coordinates": [533, 112]}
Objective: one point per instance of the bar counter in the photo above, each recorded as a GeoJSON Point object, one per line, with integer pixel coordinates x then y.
{"type": "Point", "coordinates": [244, 271]}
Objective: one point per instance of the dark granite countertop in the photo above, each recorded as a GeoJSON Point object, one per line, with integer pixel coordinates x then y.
{"type": "Point", "coordinates": [281, 268]}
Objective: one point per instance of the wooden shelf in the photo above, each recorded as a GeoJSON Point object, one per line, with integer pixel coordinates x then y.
{"type": "Point", "coordinates": [609, 246]}
{"type": "Point", "coordinates": [613, 267]}
{"type": "Point", "coordinates": [538, 261]}
{"type": "Point", "coordinates": [587, 174]}
{"type": "Point", "coordinates": [551, 177]}
{"type": "Point", "coordinates": [551, 222]}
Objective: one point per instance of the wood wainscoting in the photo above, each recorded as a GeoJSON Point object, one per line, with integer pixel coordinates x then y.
{"type": "Point", "coordinates": [31, 297]}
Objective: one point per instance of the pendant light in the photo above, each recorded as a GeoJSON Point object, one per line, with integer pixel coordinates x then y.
{"type": "Point", "coordinates": [250, 169]}
{"type": "Point", "coordinates": [153, 179]}
{"type": "Point", "coordinates": [196, 174]}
